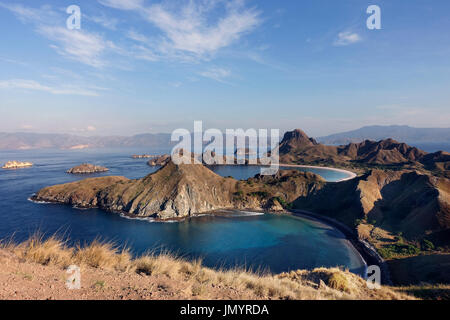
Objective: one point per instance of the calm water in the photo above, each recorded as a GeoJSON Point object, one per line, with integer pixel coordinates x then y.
{"type": "Point", "coordinates": [278, 243]}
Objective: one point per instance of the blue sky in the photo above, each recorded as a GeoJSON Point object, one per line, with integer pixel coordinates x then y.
{"type": "Point", "coordinates": [149, 66]}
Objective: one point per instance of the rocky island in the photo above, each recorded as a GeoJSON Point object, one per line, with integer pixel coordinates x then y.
{"type": "Point", "coordinates": [159, 160]}
{"type": "Point", "coordinates": [16, 165]}
{"type": "Point", "coordinates": [143, 156]}
{"type": "Point", "coordinates": [86, 168]}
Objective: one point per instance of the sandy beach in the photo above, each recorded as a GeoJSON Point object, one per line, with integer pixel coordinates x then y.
{"type": "Point", "coordinates": [351, 175]}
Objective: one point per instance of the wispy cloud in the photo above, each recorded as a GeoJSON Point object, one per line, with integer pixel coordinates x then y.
{"type": "Point", "coordinates": [218, 74]}
{"type": "Point", "coordinates": [104, 21]}
{"type": "Point", "coordinates": [36, 86]}
{"type": "Point", "coordinates": [346, 38]}
{"type": "Point", "coordinates": [123, 4]}
{"type": "Point", "coordinates": [197, 29]}
{"type": "Point", "coordinates": [78, 45]}
{"type": "Point", "coordinates": [28, 14]}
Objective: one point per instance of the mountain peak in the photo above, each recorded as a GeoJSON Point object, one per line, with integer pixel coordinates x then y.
{"type": "Point", "coordinates": [296, 139]}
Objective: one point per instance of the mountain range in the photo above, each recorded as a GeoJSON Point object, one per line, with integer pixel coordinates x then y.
{"type": "Point", "coordinates": [296, 147]}
{"type": "Point", "coordinates": [410, 135]}
{"type": "Point", "coordinates": [429, 139]}
{"type": "Point", "coordinates": [25, 141]}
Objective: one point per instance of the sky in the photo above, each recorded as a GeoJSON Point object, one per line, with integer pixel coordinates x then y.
{"type": "Point", "coordinates": [138, 66]}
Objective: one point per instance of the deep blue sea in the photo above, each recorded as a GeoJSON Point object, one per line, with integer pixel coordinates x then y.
{"type": "Point", "coordinates": [271, 242]}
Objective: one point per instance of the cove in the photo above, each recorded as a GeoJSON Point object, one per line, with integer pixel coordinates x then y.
{"type": "Point", "coordinates": [259, 241]}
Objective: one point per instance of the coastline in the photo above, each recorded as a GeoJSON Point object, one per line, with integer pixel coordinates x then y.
{"type": "Point", "coordinates": [365, 249]}
{"type": "Point", "coordinates": [351, 175]}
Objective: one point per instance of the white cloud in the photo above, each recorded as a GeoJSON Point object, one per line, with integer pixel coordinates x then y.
{"type": "Point", "coordinates": [36, 86]}
{"type": "Point", "coordinates": [218, 74]}
{"type": "Point", "coordinates": [347, 38]}
{"type": "Point", "coordinates": [28, 14]}
{"type": "Point", "coordinates": [104, 21]}
{"type": "Point", "coordinates": [136, 36]}
{"type": "Point", "coordinates": [197, 29]}
{"type": "Point", "coordinates": [123, 4]}
{"type": "Point", "coordinates": [78, 45]}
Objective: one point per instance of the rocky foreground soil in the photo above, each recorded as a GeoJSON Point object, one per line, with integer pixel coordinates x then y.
{"type": "Point", "coordinates": [38, 272]}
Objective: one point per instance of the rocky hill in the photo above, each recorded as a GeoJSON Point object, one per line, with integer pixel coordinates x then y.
{"type": "Point", "coordinates": [408, 202]}
{"type": "Point", "coordinates": [177, 191]}
{"type": "Point", "coordinates": [297, 147]}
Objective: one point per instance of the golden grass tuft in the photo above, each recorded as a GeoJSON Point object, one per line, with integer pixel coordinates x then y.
{"type": "Point", "coordinates": [103, 255]}
{"type": "Point", "coordinates": [338, 281]}
{"type": "Point", "coordinates": [200, 281]}
{"type": "Point", "coordinates": [50, 251]}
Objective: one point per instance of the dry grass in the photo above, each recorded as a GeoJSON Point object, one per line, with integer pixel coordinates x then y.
{"type": "Point", "coordinates": [198, 280]}
{"type": "Point", "coordinates": [103, 255]}
{"type": "Point", "coordinates": [51, 251]}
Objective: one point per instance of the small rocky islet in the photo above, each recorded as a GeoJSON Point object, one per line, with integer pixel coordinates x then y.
{"type": "Point", "coordinates": [87, 168]}
{"type": "Point", "coordinates": [16, 165]}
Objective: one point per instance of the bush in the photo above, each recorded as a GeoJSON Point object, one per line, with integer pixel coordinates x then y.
{"type": "Point", "coordinates": [399, 249]}
{"type": "Point", "coordinates": [427, 245]}
{"type": "Point", "coordinates": [283, 203]}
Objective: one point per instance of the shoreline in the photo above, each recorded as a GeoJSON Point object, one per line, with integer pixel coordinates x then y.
{"type": "Point", "coordinates": [368, 254]}
{"type": "Point", "coordinates": [351, 175]}
{"type": "Point", "coordinates": [365, 249]}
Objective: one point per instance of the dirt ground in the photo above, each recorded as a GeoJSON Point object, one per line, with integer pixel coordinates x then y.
{"type": "Point", "coordinates": [25, 280]}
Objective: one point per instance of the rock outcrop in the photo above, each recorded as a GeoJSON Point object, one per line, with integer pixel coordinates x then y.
{"type": "Point", "coordinates": [159, 160]}
{"type": "Point", "coordinates": [86, 168]}
{"type": "Point", "coordinates": [16, 165]}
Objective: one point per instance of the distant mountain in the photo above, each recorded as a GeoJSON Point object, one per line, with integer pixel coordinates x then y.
{"type": "Point", "coordinates": [410, 135]}
{"type": "Point", "coordinates": [25, 141]}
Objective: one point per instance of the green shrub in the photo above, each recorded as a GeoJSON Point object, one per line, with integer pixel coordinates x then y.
{"type": "Point", "coordinates": [398, 249]}
{"type": "Point", "coordinates": [427, 245]}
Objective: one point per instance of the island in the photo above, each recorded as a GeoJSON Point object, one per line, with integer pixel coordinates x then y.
{"type": "Point", "coordinates": [86, 168]}
{"type": "Point", "coordinates": [143, 156]}
{"type": "Point", "coordinates": [159, 160]}
{"type": "Point", "coordinates": [16, 165]}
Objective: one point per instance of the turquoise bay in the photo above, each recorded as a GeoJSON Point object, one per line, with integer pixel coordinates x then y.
{"type": "Point", "coordinates": [259, 241]}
